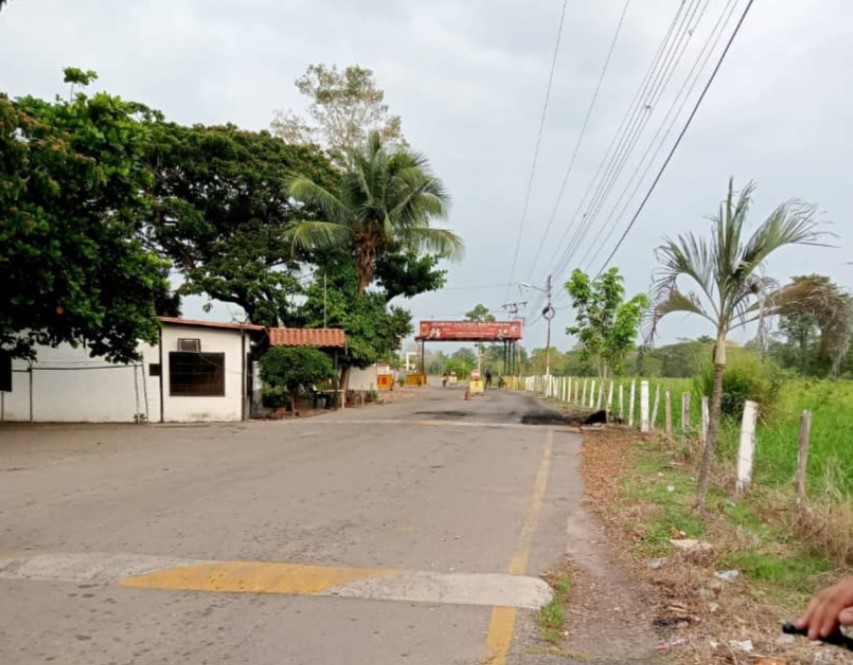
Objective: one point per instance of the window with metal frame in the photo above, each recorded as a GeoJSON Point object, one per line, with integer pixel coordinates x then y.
{"type": "Point", "coordinates": [196, 374]}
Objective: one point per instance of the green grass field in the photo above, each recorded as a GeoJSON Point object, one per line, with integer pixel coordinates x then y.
{"type": "Point", "coordinates": [830, 466]}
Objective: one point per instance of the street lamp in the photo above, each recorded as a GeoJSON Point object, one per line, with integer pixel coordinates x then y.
{"type": "Point", "coordinates": [547, 314]}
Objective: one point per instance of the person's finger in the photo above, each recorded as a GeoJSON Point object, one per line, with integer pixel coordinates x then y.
{"type": "Point", "coordinates": [805, 621]}
{"type": "Point", "coordinates": [846, 617]}
{"type": "Point", "coordinates": [829, 617]}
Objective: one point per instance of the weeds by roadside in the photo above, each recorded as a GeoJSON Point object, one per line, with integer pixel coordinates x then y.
{"type": "Point", "coordinates": [552, 617]}
{"type": "Point", "coordinates": [643, 492]}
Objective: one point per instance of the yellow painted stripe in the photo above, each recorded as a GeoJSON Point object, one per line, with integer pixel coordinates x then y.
{"type": "Point", "coordinates": [499, 637]}
{"type": "Point", "coordinates": [253, 577]}
{"type": "Point", "coordinates": [502, 621]}
{"type": "Point", "coordinates": [518, 563]}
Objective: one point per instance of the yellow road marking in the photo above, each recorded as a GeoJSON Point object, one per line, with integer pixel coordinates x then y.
{"type": "Point", "coordinates": [253, 577]}
{"type": "Point", "coordinates": [502, 622]}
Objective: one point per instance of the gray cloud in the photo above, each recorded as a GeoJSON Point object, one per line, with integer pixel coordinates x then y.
{"type": "Point", "coordinates": [468, 79]}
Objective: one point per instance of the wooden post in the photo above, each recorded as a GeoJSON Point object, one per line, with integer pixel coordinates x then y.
{"type": "Point", "coordinates": [803, 457]}
{"type": "Point", "coordinates": [631, 403]}
{"type": "Point", "coordinates": [644, 406]}
{"type": "Point", "coordinates": [746, 450]}
{"type": "Point", "coordinates": [592, 395]}
{"type": "Point", "coordinates": [706, 418]}
{"type": "Point", "coordinates": [667, 405]}
{"type": "Point", "coordinates": [655, 408]}
{"type": "Point", "coordinates": [685, 411]}
{"type": "Point", "coordinates": [621, 401]}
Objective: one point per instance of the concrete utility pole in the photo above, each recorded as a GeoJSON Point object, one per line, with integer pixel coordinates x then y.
{"type": "Point", "coordinates": [548, 315]}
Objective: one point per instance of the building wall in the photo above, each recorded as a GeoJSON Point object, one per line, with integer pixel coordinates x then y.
{"type": "Point", "coordinates": [362, 379]}
{"type": "Point", "coordinates": [69, 386]}
{"type": "Point", "coordinates": [227, 407]}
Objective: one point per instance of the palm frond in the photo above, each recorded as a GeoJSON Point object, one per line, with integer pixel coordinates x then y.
{"type": "Point", "coordinates": [792, 223]}
{"type": "Point", "coordinates": [688, 256]}
{"type": "Point", "coordinates": [671, 302]}
{"type": "Point", "coordinates": [317, 235]}
{"type": "Point", "coordinates": [443, 242]}
{"type": "Point", "coordinates": [310, 193]}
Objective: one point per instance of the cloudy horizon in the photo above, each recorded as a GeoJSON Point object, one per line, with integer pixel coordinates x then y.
{"type": "Point", "coordinates": [468, 80]}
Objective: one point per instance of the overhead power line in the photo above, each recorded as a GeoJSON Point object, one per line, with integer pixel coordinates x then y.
{"type": "Point", "coordinates": [682, 133]}
{"type": "Point", "coordinates": [610, 225]}
{"type": "Point", "coordinates": [660, 80]}
{"type": "Point", "coordinates": [581, 135]}
{"type": "Point", "coordinates": [538, 144]}
{"type": "Point", "coordinates": [632, 113]}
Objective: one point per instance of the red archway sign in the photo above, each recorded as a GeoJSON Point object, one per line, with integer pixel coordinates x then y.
{"type": "Point", "coordinates": [469, 331]}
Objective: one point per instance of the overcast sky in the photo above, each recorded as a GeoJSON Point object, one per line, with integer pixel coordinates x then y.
{"type": "Point", "coordinates": [469, 79]}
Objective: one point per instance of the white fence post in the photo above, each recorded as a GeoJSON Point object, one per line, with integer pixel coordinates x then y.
{"type": "Point", "coordinates": [600, 395]}
{"type": "Point", "coordinates": [631, 403]}
{"type": "Point", "coordinates": [706, 418]}
{"type": "Point", "coordinates": [610, 398]}
{"type": "Point", "coordinates": [592, 395]}
{"type": "Point", "coordinates": [583, 397]}
{"type": "Point", "coordinates": [577, 388]}
{"type": "Point", "coordinates": [654, 422]}
{"type": "Point", "coordinates": [746, 451]}
{"type": "Point", "coordinates": [685, 411]}
{"type": "Point", "coordinates": [644, 406]}
{"type": "Point", "coordinates": [621, 400]}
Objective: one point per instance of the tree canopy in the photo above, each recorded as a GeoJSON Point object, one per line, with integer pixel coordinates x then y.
{"type": "Point", "coordinates": [384, 200]}
{"type": "Point", "coordinates": [345, 107]}
{"type": "Point", "coordinates": [606, 325]}
{"type": "Point", "coordinates": [73, 200]}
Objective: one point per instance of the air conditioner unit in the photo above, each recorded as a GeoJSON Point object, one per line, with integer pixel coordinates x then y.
{"type": "Point", "coordinates": [189, 345]}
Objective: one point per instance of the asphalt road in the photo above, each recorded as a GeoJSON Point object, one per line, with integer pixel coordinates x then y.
{"type": "Point", "coordinates": [406, 533]}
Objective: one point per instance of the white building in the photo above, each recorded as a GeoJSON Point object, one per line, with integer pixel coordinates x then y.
{"type": "Point", "coordinates": [199, 371]}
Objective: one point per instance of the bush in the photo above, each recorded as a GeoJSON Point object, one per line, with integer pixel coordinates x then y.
{"type": "Point", "coordinates": [285, 369]}
{"type": "Point", "coordinates": [747, 377]}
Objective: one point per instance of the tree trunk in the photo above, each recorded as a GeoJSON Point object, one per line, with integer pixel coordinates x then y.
{"type": "Point", "coordinates": [365, 265]}
{"type": "Point", "coordinates": [293, 394]}
{"type": "Point", "coordinates": [343, 383]}
{"type": "Point", "coordinates": [711, 438]}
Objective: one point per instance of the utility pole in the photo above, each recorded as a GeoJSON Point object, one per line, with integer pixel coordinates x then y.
{"type": "Point", "coordinates": [548, 315]}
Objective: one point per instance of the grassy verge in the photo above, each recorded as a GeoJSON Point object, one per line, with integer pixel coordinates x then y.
{"type": "Point", "coordinates": [552, 617]}
{"type": "Point", "coordinates": [646, 501]}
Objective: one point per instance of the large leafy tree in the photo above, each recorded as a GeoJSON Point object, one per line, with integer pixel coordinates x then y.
{"type": "Point", "coordinates": [374, 329]}
{"type": "Point", "coordinates": [725, 269]}
{"type": "Point", "coordinates": [222, 210]}
{"type": "Point", "coordinates": [385, 200]}
{"type": "Point", "coordinates": [346, 105]}
{"type": "Point", "coordinates": [817, 326]}
{"type": "Point", "coordinates": [606, 325]}
{"type": "Point", "coordinates": [72, 204]}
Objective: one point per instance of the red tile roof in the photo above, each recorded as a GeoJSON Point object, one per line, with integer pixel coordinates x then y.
{"type": "Point", "coordinates": [171, 320]}
{"type": "Point", "coordinates": [319, 337]}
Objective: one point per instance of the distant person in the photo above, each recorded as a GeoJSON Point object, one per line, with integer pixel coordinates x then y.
{"type": "Point", "coordinates": [444, 379]}
{"type": "Point", "coordinates": [829, 609]}
{"type": "Point", "coordinates": [488, 378]}
{"type": "Point", "coordinates": [501, 382]}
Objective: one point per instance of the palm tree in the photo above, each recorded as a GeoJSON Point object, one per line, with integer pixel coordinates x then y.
{"type": "Point", "coordinates": [731, 291]}
{"type": "Point", "coordinates": [384, 198]}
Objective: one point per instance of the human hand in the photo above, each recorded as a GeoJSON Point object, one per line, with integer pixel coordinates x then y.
{"type": "Point", "coordinates": [828, 609]}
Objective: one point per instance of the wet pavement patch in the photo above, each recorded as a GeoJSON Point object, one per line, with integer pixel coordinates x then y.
{"type": "Point", "coordinates": [444, 414]}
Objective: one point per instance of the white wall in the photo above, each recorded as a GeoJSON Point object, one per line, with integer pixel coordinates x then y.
{"type": "Point", "coordinates": [180, 408]}
{"type": "Point", "coordinates": [362, 379]}
{"type": "Point", "coordinates": [69, 386]}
